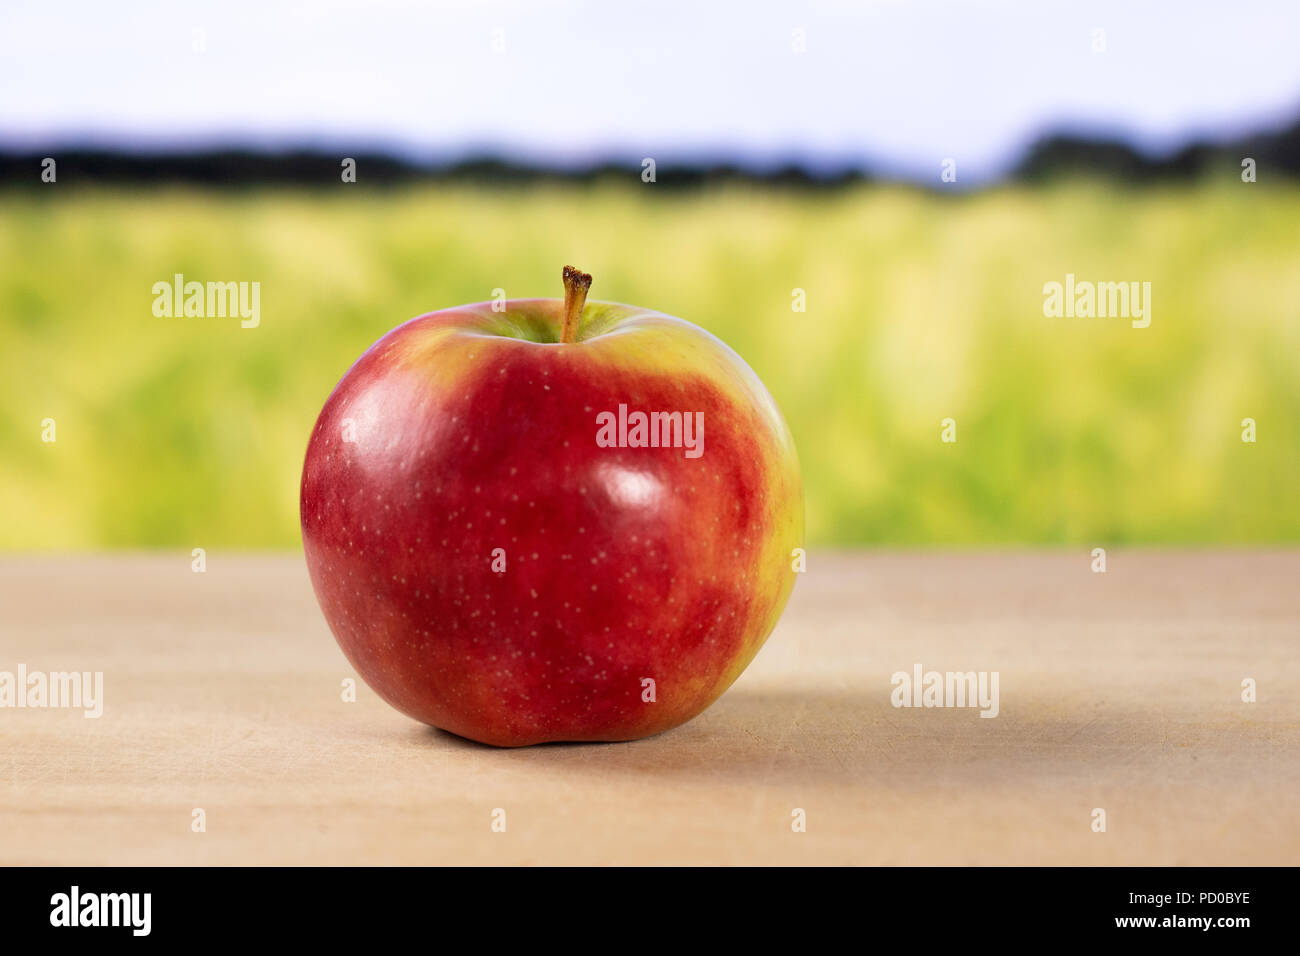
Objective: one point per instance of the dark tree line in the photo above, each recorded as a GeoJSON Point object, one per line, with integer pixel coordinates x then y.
{"type": "Point", "coordinates": [1276, 154]}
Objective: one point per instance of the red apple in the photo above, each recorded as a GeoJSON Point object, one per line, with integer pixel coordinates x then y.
{"type": "Point", "coordinates": [502, 550]}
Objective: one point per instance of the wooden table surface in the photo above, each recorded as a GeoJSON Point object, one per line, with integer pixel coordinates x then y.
{"type": "Point", "coordinates": [1119, 691]}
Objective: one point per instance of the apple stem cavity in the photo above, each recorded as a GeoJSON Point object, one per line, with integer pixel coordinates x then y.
{"type": "Point", "coordinates": [576, 286]}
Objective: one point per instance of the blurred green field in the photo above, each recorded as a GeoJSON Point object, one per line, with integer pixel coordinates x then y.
{"type": "Point", "coordinates": [190, 432]}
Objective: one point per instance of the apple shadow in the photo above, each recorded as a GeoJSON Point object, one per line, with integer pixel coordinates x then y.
{"type": "Point", "coordinates": [766, 737]}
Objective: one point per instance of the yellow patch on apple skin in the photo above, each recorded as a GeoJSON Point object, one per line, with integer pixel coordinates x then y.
{"type": "Point", "coordinates": [776, 573]}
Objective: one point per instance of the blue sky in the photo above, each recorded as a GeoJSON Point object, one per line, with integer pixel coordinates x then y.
{"type": "Point", "coordinates": [890, 86]}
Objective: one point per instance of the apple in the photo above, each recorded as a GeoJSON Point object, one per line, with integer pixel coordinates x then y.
{"type": "Point", "coordinates": [557, 521]}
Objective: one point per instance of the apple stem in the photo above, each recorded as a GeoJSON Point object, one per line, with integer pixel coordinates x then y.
{"type": "Point", "coordinates": [576, 285]}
